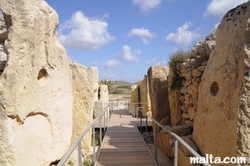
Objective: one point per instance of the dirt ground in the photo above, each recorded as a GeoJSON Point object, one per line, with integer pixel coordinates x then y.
{"type": "Point", "coordinates": [119, 96]}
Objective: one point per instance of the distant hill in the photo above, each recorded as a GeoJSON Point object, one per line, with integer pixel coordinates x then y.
{"type": "Point", "coordinates": [119, 87]}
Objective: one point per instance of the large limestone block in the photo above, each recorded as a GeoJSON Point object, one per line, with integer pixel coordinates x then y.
{"type": "Point", "coordinates": [35, 87]}
{"type": "Point", "coordinates": [174, 101]}
{"type": "Point", "coordinates": [158, 90]}
{"type": "Point", "coordinates": [166, 142]}
{"type": "Point", "coordinates": [82, 105]}
{"type": "Point", "coordinates": [144, 96]}
{"type": "Point", "coordinates": [221, 125]}
{"type": "Point", "coordinates": [104, 93]}
{"type": "Point", "coordinates": [93, 79]}
{"type": "Point", "coordinates": [134, 99]}
{"type": "Point", "coordinates": [183, 160]}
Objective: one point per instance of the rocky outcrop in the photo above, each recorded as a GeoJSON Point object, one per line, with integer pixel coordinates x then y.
{"type": "Point", "coordinates": [144, 97]}
{"type": "Point", "coordinates": [35, 87]}
{"type": "Point", "coordinates": [82, 105]}
{"type": "Point", "coordinates": [221, 125]}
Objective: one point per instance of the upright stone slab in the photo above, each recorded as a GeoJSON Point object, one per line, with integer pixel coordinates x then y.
{"type": "Point", "coordinates": [144, 96]}
{"type": "Point", "coordinates": [104, 93]}
{"type": "Point", "coordinates": [134, 99]}
{"type": "Point", "coordinates": [93, 79]}
{"type": "Point", "coordinates": [174, 101]}
{"type": "Point", "coordinates": [82, 105]}
{"type": "Point", "coordinates": [158, 90]}
{"type": "Point", "coordinates": [221, 125]}
{"type": "Point", "coordinates": [35, 87]}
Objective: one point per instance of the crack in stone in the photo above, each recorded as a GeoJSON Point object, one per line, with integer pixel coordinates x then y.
{"type": "Point", "coordinates": [20, 121]}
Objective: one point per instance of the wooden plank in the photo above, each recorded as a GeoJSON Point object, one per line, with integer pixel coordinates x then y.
{"type": "Point", "coordinates": [123, 144]}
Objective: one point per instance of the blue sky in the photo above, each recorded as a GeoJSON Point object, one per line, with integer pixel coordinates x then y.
{"type": "Point", "coordinates": [123, 38]}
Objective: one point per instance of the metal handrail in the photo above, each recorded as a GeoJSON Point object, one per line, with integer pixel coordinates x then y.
{"type": "Point", "coordinates": [78, 140]}
{"type": "Point", "coordinates": [177, 138]}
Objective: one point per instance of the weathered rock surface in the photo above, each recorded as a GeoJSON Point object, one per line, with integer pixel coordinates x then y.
{"type": "Point", "coordinates": [36, 87]}
{"type": "Point", "coordinates": [186, 152]}
{"type": "Point", "coordinates": [166, 142]}
{"type": "Point", "coordinates": [104, 93]}
{"type": "Point", "coordinates": [3, 37]}
{"type": "Point", "coordinates": [221, 125]}
{"type": "Point", "coordinates": [93, 79]}
{"type": "Point", "coordinates": [82, 105]}
{"type": "Point", "coordinates": [134, 99]}
{"type": "Point", "coordinates": [182, 130]}
{"type": "Point", "coordinates": [98, 108]}
{"type": "Point", "coordinates": [174, 101]}
{"type": "Point", "coordinates": [183, 100]}
{"type": "Point", "coordinates": [158, 89]}
{"type": "Point", "coordinates": [144, 96]}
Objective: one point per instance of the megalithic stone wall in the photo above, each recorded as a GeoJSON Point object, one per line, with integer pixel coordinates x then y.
{"type": "Point", "coordinates": [82, 105]}
{"type": "Point", "coordinates": [35, 87]}
{"type": "Point", "coordinates": [221, 125]}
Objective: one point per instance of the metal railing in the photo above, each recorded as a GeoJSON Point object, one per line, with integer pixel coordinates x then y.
{"type": "Point", "coordinates": [103, 116]}
{"type": "Point", "coordinates": [177, 138]}
{"type": "Point", "coordinates": [133, 108]}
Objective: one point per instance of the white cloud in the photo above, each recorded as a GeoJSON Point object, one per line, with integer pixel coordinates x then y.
{"type": "Point", "coordinates": [220, 7]}
{"type": "Point", "coordinates": [146, 5]}
{"type": "Point", "coordinates": [183, 36]}
{"type": "Point", "coordinates": [82, 33]}
{"type": "Point", "coordinates": [123, 58]}
{"type": "Point", "coordinates": [156, 62]}
{"type": "Point", "coordinates": [143, 33]}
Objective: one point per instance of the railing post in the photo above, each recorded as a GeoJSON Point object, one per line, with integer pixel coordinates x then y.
{"type": "Point", "coordinates": [104, 127]}
{"type": "Point", "coordinates": [100, 130]}
{"type": "Point", "coordinates": [94, 155]}
{"type": "Point", "coordinates": [155, 133]}
{"type": "Point", "coordinates": [79, 154]}
{"type": "Point", "coordinates": [141, 122]}
{"type": "Point", "coordinates": [176, 152]}
{"type": "Point", "coordinates": [136, 112]}
{"type": "Point", "coordinates": [146, 129]}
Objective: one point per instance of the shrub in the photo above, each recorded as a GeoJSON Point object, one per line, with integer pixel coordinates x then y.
{"type": "Point", "coordinates": [179, 57]}
{"type": "Point", "coordinates": [176, 81]}
{"type": "Point", "coordinates": [175, 60]}
{"type": "Point", "coordinates": [87, 161]}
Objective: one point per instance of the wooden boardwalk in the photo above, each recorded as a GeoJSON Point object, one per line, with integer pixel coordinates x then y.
{"type": "Point", "coordinates": [123, 145]}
